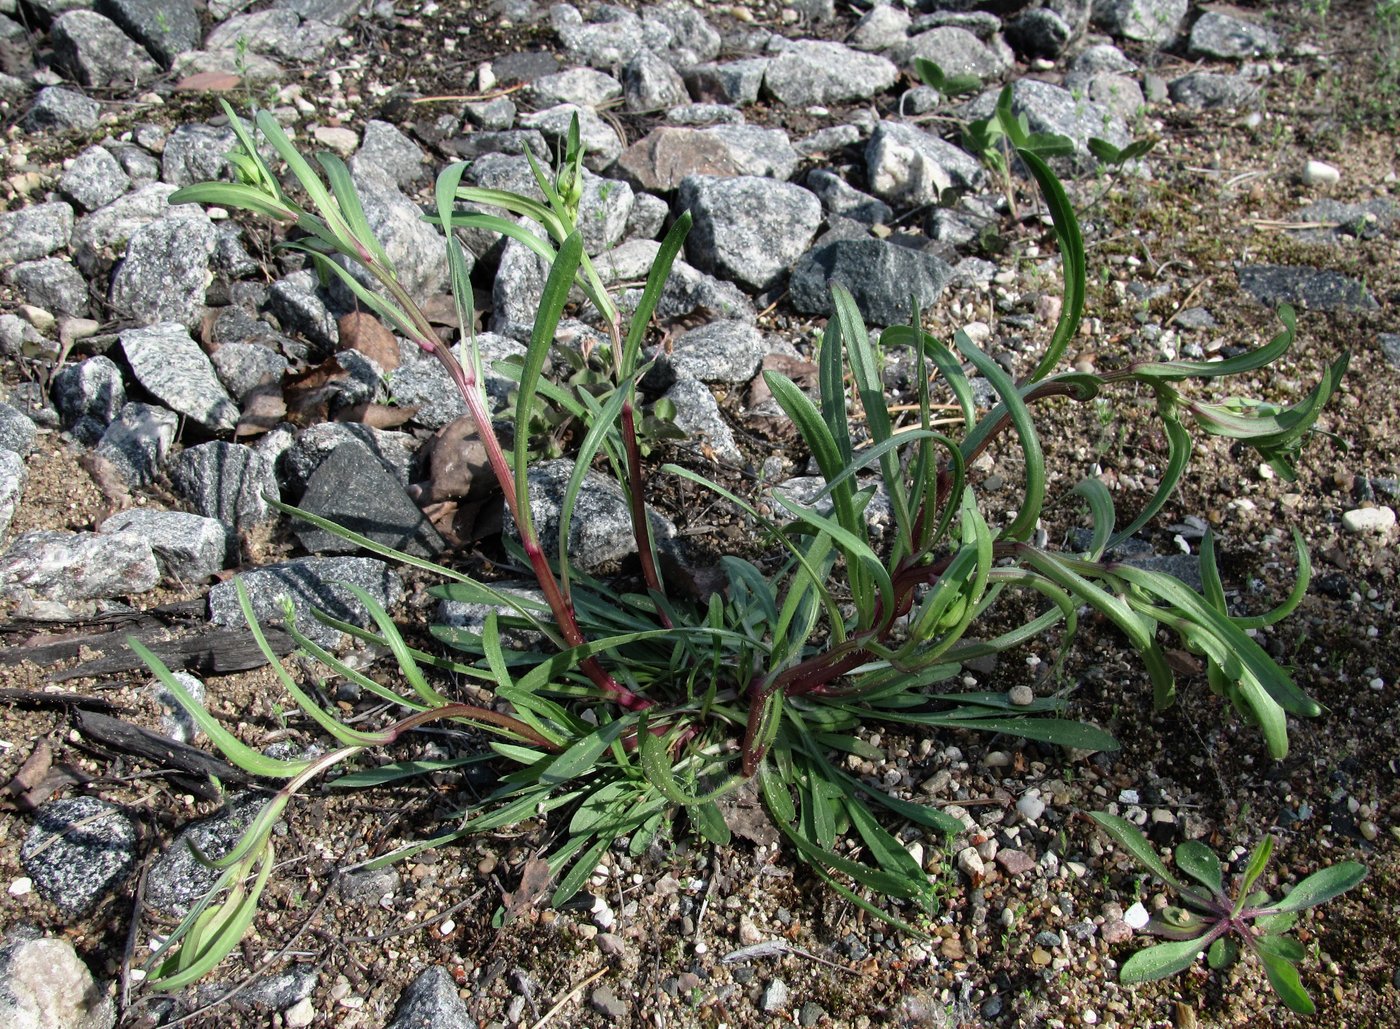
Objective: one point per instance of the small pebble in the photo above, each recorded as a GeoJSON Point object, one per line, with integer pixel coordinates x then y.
{"type": "Point", "coordinates": [1320, 173]}
{"type": "Point", "coordinates": [1021, 696]}
{"type": "Point", "coordinates": [21, 886]}
{"type": "Point", "coordinates": [1368, 519]}
{"type": "Point", "coordinates": [1030, 807]}
{"type": "Point", "coordinates": [1136, 916]}
{"type": "Point", "coordinates": [970, 864]}
{"type": "Point", "coordinates": [300, 1014]}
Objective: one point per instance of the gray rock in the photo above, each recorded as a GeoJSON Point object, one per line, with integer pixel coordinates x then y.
{"type": "Point", "coordinates": [13, 475]}
{"type": "Point", "coordinates": [839, 198]}
{"type": "Point", "coordinates": [188, 547]}
{"type": "Point", "coordinates": [164, 27]}
{"type": "Point", "coordinates": [746, 228]}
{"type": "Point", "coordinates": [196, 153]}
{"type": "Point", "coordinates": [667, 155]}
{"type": "Point", "coordinates": [1315, 288]}
{"type": "Point", "coordinates": [431, 1000]}
{"type": "Point", "coordinates": [725, 351]}
{"type": "Point", "coordinates": [1224, 36]}
{"type": "Point", "coordinates": [175, 721]}
{"type": "Point", "coordinates": [603, 207]}
{"type": "Point", "coordinates": [178, 879]}
{"type": "Point", "coordinates": [492, 115]}
{"type": "Point", "coordinates": [1039, 32]}
{"type": "Point", "coordinates": [909, 167]}
{"type": "Point", "coordinates": [166, 271]}
{"type": "Point", "coordinates": [393, 153]}
{"type": "Point", "coordinates": [277, 33]}
{"type": "Point", "coordinates": [395, 451]}
{"type": "Point", "coordinates": [703, 114]}
{"type": "Point", "coordinates": [422, 381]}
{"type": "Point", "coordinates": [806, 489]}
{"type": "Point", "coordinates": [352, 488]}
{"type": "Point", "coordinates": [53, 284]}
{"type": "Point", "coordinates": [17, 430]}
{"type": "Point", "coordinates": [63, 110]}
{"type": "Point", "coordinates": [648, 217]}
{"type": "Point", "coordinates": [460, 614]}
{"type": "Point", "coordinates": [168, 362]}
{"type": "Point", "coordinates": [415, 249]}
{"type": "Point", "coordinates": [601, 143]}
{"type": "Point", "coordinates": [1121, 94]}
{"type": "Point", "coordinates": [67, 566]}
{"type": "Point", "coordinates": [691, 293]}
{"type": "Point", "coordinates": [827, 140]}
{"type": "Point", "coordinates": [1366, 220]}
{"type": "Point", "coordinates": [78, 851]}
{"type": "Point", "coordinates": [606, 1002]}
{"type": "Point", "coordinates": [775, 994]}
{"type": "Point", "coordinates": [94, 179]}
{"type": "Point", "coordinates": [813, 72]}
{"type": "Point", "coordinates": [1051, 108]}
{"type": "Point", "coordinates": [300, 305]}
{"type": "Point", "coordinates": [93, 51]}
{"type": "Point", "coordinates": [612, 38]}
{"type": "Point", "coordinates": [243, 367]}
{"type": "Point", "coordinates": [880, 275]}
{"type": "Point", "coordinates": [600, 533]}
{"type": "Point", "coordinates": [90, 389]}
{"type": "Point", "coordinates": [957, 51]}
{"type": "Point", "coordinates": [332, 12]}
{"type": "Point", "coordinates": [1147, 21]}
{"type": "Point", "coordinates": [651, 83]}
{"type": "Point", "coordinates": [253, 69]}
{"type": "Point", "coordinates": [100, 237]}
{"type": "Point", "coordinates": [698, 413]}
{"type": "Point", "coordinates": [883, 27]}
{"type": "Point", "coordinates": [581, 87]}
{"type": "Point", "coordinates": [1102, 57]}
{"type": "Point", "coordinates": [1389, 344]}
{"type": "Point", "coordinates": [735, 82]}
{"type": "Point", "coordinates": [310, 582]}
{"type": "Point", "coordinates": [137, 441]}
{"type": "Point", "coordinates": [1206, 90]}
{"type": "Point", "coordinates": [226, 481]}
{"type": "Point", "coordinates": [230, 256]}
{"type": "Point", "coordinates": [690, 38]}
{"type": "Point", "coordinates": [45, 985]}
{"type": "Point", "coordinates": [34, 231]}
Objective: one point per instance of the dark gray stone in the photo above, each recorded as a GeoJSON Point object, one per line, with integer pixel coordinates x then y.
{"type": "Point", "coordinates": [164, 27]}
{"type": "Point", "coordinates": [13, 475]}
{"type": "Point", "coordinates": [17, 430]}
{"type": "Point", "coordinates": [1390, 347]}
{"type": "Point", "coordinates": [94, 179]}
{"type": "Point", "coordinates": [168, 362]}
{"type": "Point", "coordinates": [137, 441]}
{"type": "Point", "coordinates": [606, 1002]}
{"type": "Point", "coordinates": [1224, 36]}
{"type": "Point", "coordinates": [1315, 288]}
{"type": "Point", "coordinates": [1102, 57]}
{"type": "Point", "coordinates": [1039, 33]}
{"type": "Point", "coordinates": [90, 49]}
{"type": "Point", "coordinates": [63, 110]}
{"type": "Point", "coordinates": [395, 451]}
{"type": "Point", "coordinates": [1366, 220]}
{"type": "Point", "coordinates": [79, 850]}
{"type": "Point", "coordinates": [748, 229]}
{"type": "Point", "coordinates": [92, 388]}
{"type": "Point", "coordinates": [300, 305]}
{"type": "Point", "coordinates": [165, 272]}
{"type": "Point", "coordinates": [909, 167]}
{"type": "Point", "coordinates": [600, 533]}
{"type": "Point", "coordinates": [651, 83]}
{"type": "Point", "coordinates": [725, 351]}
{"type": "Point", "coordinates": [310, 582]}
{"type": "Point", "coordinates": [839, 198]}
{"type": "Point", "coordinates": [101, 237]}
{"type": "Point", "coordinates": [524, 66]}
{"type": "Point", "coordinates": [353, 489]}
{"type": "Point", "coordinates": [1157, 22]}
{"type": "Point", "coordinates": [53, 284]}
{"type": "Point", "coordinates": [196, 153]}
{"type": "Point", "coordinates": [648, 217]}
{"type": "Point", "coordinates": [431, 1002]}
{"type": "Point", "coordinates": [393, 153]}
{"type": "Point", "coordinates": [1206, 90]}
{"type": "Point", "coordinates": [67, 566]}
{"type": "Point", "coordinates": [226, 481]}
{"type": "Point", "coordinates": [881, 276]}
{"type": "Point", "coordinates": [818, 72]}
{"type": "Point", "coordinates": [188, 547]}
{"type": "Point", "coordinates": [735, 82]}
{"type": "Point", "coordinates": [34, 231]}
{"type": "Point", "coordinates": [243, 367]}
{"type": "Point", "coordinates": [178, 879]}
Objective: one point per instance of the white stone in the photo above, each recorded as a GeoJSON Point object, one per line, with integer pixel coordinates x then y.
{"type": "Point", "coordinates": [1369, 519]}
{"type": "Point", "coordinates": [1136, 916]}
{"type": "Point", "coordinates": [300, 1014]}
{"type": "Point", "coordinates": [1030, 806]}
{"type": "Point", "coordinates": [21, 886]}
{"type": "Point", "coordinates": [970, 864]}
{"type": "Point", "coordinates": [1320, 173]}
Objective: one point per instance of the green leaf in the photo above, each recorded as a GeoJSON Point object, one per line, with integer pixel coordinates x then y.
{"type": "Point", "coordinates": [1284, 978]}
{"type": "Point", "coordinates": [583, 756]}
{"type": "Point", "coordinates": [1200, 863]}
{"type": "Point", "coordinates": [1071, 242]}
{"type": "Point", "coordinates": [1161, 960]}
{"type": "Point", "coordinates": [1223, 953]}
{"type": "Point", "coordinates": [1258, 861]}
{"type": "Point", "coordinates": [398, 770]}
{"type": "Point", "coordinates": [1322, 886]}
{"type": "Point", "coordinates": [1127, 836]}
{"type": "Point", "coordinates": [1285, 947]}
{"type": "Point", "coordinates": [651, 294]}
{"type": "Point", "coordinates": [710, 824]}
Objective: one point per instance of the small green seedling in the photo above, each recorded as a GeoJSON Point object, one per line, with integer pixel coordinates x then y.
{"type": "Point", "coordinates": [935, 77]}
{"type": "Point", "coordinates": [1208, 920]}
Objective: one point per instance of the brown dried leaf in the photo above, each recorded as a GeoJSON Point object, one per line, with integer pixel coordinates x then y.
{"type": "Point", "coordinates": [308, 396]}
{"type": "Point", "coordinates": [534, 883]}
{"type": "Point", "coordinates": [360, 330]}
{"type": "Point", "coordinates": [376, 416]}
{"type": "Point", "coordinates": [263, 409]}
{"type": "Point", "coordinates": [209, 81]}
{"type": "Point", "coordinates": [457, 463]}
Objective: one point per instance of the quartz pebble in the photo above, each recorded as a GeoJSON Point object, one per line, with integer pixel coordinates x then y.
{"type": "Point", "coordinates": [1368, 519]}
{"type": "Point", "coordinates": [1320, 173]}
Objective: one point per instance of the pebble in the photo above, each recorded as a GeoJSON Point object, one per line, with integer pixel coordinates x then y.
{"type": "Point", "coordinates": [1369, 519]}
{"type": "Point", "coordinates": [1030, 807]}
{"type": "Point", "coordinates": [1136, 916]}
{"type": "Point", "coordinates": [300, 1014]}
{"type": "Point", "coordinates": [21, 886]}
{"type": "Point", "coordinates": [970, 864]}
{"type": "Point", "coordinates": [1320, 173]}
{"type": "Point", "coordinates": [1021, 696]}
{"type": "Point", "coordinates": [775, 997]}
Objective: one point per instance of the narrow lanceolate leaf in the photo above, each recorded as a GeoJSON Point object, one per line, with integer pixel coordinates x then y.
{"type": "Point", "coordinates": [1284, 978]}
{"type": "Point", "coordinates": [651, 294]}
{"type": "Point", "coordinates": [1072, 256]}
{"type": "Point", "coordinates": [1200, 863]}
{"type": "Point", "coordinates": [1246, 362]}
{"type": "Point", "coordinates": [1322, 886]}
{"type": "Point", "coordinates": [1161, 960]}
{"type": "Point", "coordinates": [1127, 836]}
{"type": "Point", "coordinates": [583, 756]}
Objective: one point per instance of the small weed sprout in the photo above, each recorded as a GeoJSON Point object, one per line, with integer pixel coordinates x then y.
{"type": "Point", "coordinates": [640, 705]}
{"type": "Point", "coordinates": [1209, 920]}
